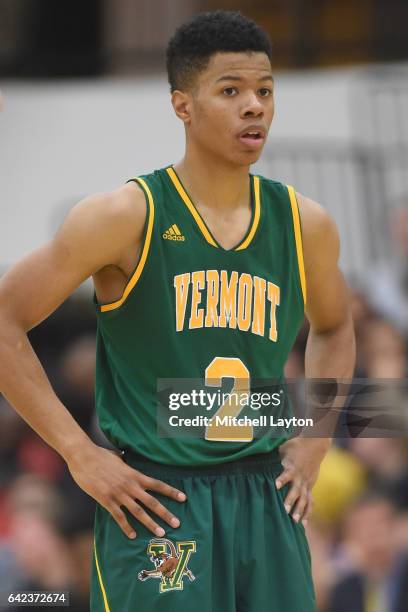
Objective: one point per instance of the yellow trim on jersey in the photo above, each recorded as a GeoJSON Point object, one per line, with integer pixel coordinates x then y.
{"type": "Point", "coordinates": [182, 193]}
{"type": "Point", "coordinates": [298, 239]}
{"type": "Point", "coordinates": [257, 214]}
{"type": "Point", "coordinates": [105, 599]}
{"type": "Point", "coordinates": [139, 268]}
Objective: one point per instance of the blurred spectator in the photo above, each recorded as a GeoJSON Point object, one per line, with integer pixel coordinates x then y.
{"type": "Point", "coordinates": [387, 282]}
{"type": "Point", "coordinates": [36, 555]}
{"type": "Point", "coordinates": [342, 478]}
{"type": "Point", "coordinates": [386, 460]}
{"type": "Point", "coordinates": [12, 430]}
{"type": "Point", "coordinates": [22, 450]}
{"type": "Point", "coordinates": [383, 350]}
{"type": "Point", "coordinates": [362, 313]}
{"type": "Point", "coordinates": [321, 538]}
{"type": "Point", "coordinates": [76, 378]}
{"type": "Point", "coordinates": [360, 308]}
{"type": "Point", "coordinates": [377, 407]}
{"type": "Point", "coordinates": [377, 580]}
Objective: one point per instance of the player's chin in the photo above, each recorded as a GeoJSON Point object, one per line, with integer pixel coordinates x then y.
{"type": "Point", "coordinates": [246, 158]}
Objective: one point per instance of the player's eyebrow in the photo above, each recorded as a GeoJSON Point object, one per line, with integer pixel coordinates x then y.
{"type": "Point", "coordinates": [230, 77]}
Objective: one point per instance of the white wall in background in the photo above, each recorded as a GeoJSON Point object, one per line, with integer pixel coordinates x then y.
{"type": "Point", "coordinates": [62, 140]}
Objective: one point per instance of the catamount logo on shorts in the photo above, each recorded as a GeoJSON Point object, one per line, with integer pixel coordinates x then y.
{"type": "Point", "coordinates": [170, 562]}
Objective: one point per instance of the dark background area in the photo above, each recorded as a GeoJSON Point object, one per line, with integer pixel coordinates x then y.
{"type": "Point", "coordinates": [46, 38]}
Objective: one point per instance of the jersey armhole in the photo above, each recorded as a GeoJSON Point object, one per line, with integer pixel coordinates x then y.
{"type": "Point", "coordinates": [147, 237]}
{"type": "Point", "coordinates": [297, 228]}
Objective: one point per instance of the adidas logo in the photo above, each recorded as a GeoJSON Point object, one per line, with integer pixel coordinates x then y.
{"type": "Point", "coordinates": [173, 233]}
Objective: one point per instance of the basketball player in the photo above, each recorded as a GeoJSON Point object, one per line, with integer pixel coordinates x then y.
{"type": "Point", "coordinates": [201, 270]}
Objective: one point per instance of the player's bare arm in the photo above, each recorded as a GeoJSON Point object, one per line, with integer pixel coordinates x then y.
{"type": "Point", "coordinates": [330, 350]}
{"type": "Point", "coordinates": [100, 237]}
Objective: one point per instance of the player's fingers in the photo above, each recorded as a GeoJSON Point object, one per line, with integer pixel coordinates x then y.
{"type": "Point", "coordinates": [285, 477]}
{"type": "Point", "coordinates": [292, 496]}
{"type": "Point", "coordinates": [155, 506]}
{"type": "Point", "coordinates": [308, 510]}
{"type": "Point", "coordinates": [301, 504]}
{"type": "Point", "coordinates": [163, 488]}
{"type": "Point", "coordinates": [121, 520]}
{"type": "Point", "coordinates": [141, 515]}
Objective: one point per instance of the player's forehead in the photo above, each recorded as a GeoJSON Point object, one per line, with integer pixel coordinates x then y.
{"type": "Point", "coordinates": [245, 66]}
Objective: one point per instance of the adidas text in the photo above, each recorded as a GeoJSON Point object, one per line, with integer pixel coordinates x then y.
{"type": "Point", "coordinates": [167, 236]}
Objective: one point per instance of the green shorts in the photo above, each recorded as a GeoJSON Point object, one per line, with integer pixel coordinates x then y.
{"type": "Point", "coordinates": [236, 550]}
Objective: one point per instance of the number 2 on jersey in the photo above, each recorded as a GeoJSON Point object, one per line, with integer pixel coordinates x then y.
{"type": "Point", "coordinates": [229, 367]}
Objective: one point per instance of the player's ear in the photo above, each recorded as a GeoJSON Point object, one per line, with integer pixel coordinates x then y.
{"type": "Point", "coordinates": [182, 105]}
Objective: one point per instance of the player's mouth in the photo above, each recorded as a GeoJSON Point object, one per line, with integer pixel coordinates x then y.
{"type": "Point", "coordinates": [253, 137]}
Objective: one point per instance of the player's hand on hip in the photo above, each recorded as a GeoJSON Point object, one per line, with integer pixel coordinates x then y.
{"type": "Point", "coordinates": [103, 475]}
{"type": "Point", "coordinates": [301, 459]}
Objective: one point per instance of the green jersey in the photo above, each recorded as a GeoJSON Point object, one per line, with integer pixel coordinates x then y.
{"type": "Point", "coordinates": [194, 310]}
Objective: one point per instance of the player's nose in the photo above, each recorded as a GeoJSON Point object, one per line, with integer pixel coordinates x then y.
{"type": "Point", "coordinates": [253, 106]}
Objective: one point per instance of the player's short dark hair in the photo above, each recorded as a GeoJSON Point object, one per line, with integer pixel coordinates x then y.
{"type": "Point", "coordinates": [193, 44]}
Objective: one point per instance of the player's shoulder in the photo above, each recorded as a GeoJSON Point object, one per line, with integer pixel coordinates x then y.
{"type": "Point", "coordinates": [123, 209]}
{"type": "Point", "coordinates": [315, 219]}
{"type": "Point", "coordinates": [126, 202]}
{"type": "Point", "coordinates": [319, 231]}
{"type": "Point", "coordinates": [106, 222]}
{"type": "Point", "coordinates": [120, 207]}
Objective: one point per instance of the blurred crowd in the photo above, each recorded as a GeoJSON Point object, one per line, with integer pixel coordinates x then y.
{"type": "Point", "coordinates": [359, 530]}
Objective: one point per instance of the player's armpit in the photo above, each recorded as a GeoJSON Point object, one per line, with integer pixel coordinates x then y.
{"type": "Point", "coordinates": [328, 303]}
{"type": "Point", "coordinates": [94, 235]}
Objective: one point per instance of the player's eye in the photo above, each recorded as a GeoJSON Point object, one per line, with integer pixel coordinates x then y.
{"type": "Point", "coordinates": [230, 91]}
{"type": "Point", "coordinates": [264, 92]}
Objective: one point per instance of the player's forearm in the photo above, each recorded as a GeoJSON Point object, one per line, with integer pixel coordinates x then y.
{"type": "Point", "coordinates": [330, 358]}
{"type": "Point", "coordinates": [25, 385]}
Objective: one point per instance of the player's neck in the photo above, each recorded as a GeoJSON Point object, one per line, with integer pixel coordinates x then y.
{"type": "Point", "coordinates": [214, 184]}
